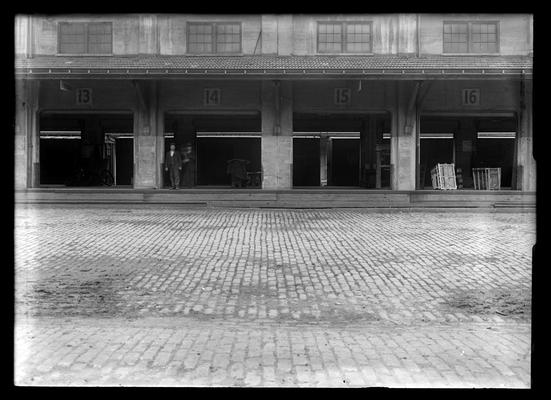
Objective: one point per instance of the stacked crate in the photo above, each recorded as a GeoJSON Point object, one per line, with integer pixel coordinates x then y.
{"type": "Point", "coordinates": [459, 178]}
{"type": "Point", "coordinates": [443, 177]}
{"type": "Point", "coordinates": [487, 178]}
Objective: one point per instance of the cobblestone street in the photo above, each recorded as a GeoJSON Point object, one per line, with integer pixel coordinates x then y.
{"type": "Point", "coordinates": [177, 296]}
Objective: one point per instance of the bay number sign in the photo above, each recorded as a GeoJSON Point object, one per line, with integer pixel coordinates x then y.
{"type": "Point", "coordinates": [342, 96]}
{"type": "Point", "coordinates": [471, 97]}
{"type": "Point", "coordinates": [83, 96]}
{"type": "Point", "coordinates": [211, 97]}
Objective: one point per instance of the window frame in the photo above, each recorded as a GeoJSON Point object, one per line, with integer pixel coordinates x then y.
{"type": "Point", "coordinates": [214, 41]}
{"type": "Point", "coordinates": [86, 44]}
{"type": "Point", "coordinates": [469, 39]}
{"type": "Point", "coordinates": [343, 25]}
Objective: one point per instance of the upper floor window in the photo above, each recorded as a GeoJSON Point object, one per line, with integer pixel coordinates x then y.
{"type": "Point", "coordinates": [471, 37]}
{"type": "Point", "coordinates": [344, 37]}
{"type": "Point", "coordinates": [85, 38]}
{"type": "Point", "coordinates": [216, 37]}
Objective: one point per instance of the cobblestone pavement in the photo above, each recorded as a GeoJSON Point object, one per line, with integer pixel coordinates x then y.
{"type": "Point", "coordinates": [175, 296]}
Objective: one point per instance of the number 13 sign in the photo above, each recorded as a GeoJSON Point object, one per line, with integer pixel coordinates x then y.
{"type": "Point", "coordinates": [84, 96]}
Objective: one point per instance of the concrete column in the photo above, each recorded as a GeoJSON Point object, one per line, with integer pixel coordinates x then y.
{"type": "Point", "coordinates": [277, 34]}
{"type": "Point", "coordinates": [403, 142]}
{"type": "Point", "coordinates": [186, 132]}
{"type": "Point", "coordinates": [324, 153]}
{"type": "Point", "coordinates": [368, 160]}
{"type": "Point", "coordinates": [148, 34]}
{"type": "Point", "coordinates": [407, 33]}
{"type": "Point", "coordinates": [27, 135]}
{"type": "Point", "coordinates": [277, 135]}
{"type": "Point", "coordinates": [465, 149]}
{"type": "Point", "coordinates": [160, 145]}
{"type": "Point", "coordinates": [526, 164]}
{"type": "Point", "coordinates": [269, 34]}
{"type": "Point", "coordinates": [285, 35]}
{"type": "Point", "coordinates": [146, 162]}
{"type": "Point", "coordinates": [22, 35]}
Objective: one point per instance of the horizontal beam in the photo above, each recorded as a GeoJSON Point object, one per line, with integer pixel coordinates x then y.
{"type": "Point", "coordinates": [268, 73]}
{"type": "Point", "coordinates": [387, 77]}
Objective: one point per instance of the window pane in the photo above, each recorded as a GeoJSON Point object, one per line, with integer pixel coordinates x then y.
{"type": "Point", "coordinates": [329, 37]}
{"type": "Point", "coordinates": [100, 38]}
{"type": "Point", "coordinates": [72, 38]}
{"type": "Point", "coordinates": [486, 40]}
{"type": "Point", "coordinates": [200, 38]}
{"type": "Point", "coordinates": [228, 38]}
{"type": "Point", "coordinates": [455, 38]}
{"type": "Point", "coordinates": [358, 37]}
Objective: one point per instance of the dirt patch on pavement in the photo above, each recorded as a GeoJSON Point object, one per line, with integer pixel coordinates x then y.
{"type": "Point", "coordinates": [90, 297]}
{"type": "Point", "coordinates": [512, 303]}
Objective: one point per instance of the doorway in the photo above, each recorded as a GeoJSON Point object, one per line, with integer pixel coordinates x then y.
{"type": "Point", "coordinates": [80, 149]}
{"type": "Point", "coordinates": [341, 150]}
{"type": "Point", "coordinates": [468, 142]}
{"type": "Point", "coordinates": [215, 140]}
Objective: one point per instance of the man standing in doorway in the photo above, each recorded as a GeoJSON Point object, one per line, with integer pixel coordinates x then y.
{"type": "Point", "coordinates": [188, 161]}
{"type": "Point", "coordinates": [173, 164]}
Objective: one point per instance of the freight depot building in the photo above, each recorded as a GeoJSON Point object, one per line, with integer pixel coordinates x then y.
{"type": "Point", "coordinates": [342, 101]}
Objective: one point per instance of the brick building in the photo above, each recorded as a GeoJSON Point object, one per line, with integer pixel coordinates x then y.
{"type": "Point", "coordinates": [371, 101]}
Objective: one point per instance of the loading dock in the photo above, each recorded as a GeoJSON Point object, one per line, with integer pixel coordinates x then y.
{"type": "Point", "coordinates": [215, 139]}
{"type": "Point", "coordinates": [73, 142]}
{"type": "Point", "coordinates": [341, 150]}
{"type": "Point", "coordinates": [469, 142]}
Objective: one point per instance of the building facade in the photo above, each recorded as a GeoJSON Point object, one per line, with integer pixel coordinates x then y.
{"type": "Point", "coordinates": [372, 101]}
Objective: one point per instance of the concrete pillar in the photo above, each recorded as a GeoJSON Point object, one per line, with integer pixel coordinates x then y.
{"type": "Point", "coordinates": [403, 141]}
{"type": "Point", "coordinates": [285, 35]}
{"type": "Point", "coordinates": [148, 35]}
{"type": "Point", "coordinates": [324, 153]}
{"type": "Point", "coordinates": [185, 133]}
{"type": "Point", "coordinates": [146, 162]}
{"type": "Point", "coordinates": [368, 159]}
{"type": "Point", "coordinates": [407, 33]}
{"type": "Point", "coordinates": [27, 135]}
{"type": "Point", "coordinates": [465, 149]}
{"type": "Point", "coordinates": [22, 35]}
{"type": "Point", "coordinates": [277, 34]}
{"type": "Point", "coordinates": [269, 34]}
{"type": "Point", "coordinates": [526, 164]}
{"type": "Point", "coordinates": [277, 135]}
{"type": "Point", "coordinates": [160, 145]}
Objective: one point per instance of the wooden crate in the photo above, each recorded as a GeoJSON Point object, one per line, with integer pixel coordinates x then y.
{"type": "Point", "coordinates": [443, 177]}
{"type": "Point", "coordinates": [487, 178]}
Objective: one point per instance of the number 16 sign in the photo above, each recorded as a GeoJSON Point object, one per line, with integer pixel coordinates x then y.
{"type": "Point", "coordinates": [471, 97]}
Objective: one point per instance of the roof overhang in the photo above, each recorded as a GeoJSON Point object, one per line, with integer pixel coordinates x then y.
{"type": "Point", "coordinates": [391, 67]}
{"type": "Point", "coordinates": [379, 74]}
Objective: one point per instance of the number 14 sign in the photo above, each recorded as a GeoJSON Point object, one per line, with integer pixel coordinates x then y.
{"type": "Point", "coordinates": [211, 96]}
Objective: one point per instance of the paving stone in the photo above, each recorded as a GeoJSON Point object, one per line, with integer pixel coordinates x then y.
{"type": "Point", "coordinates": [215, 296]}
